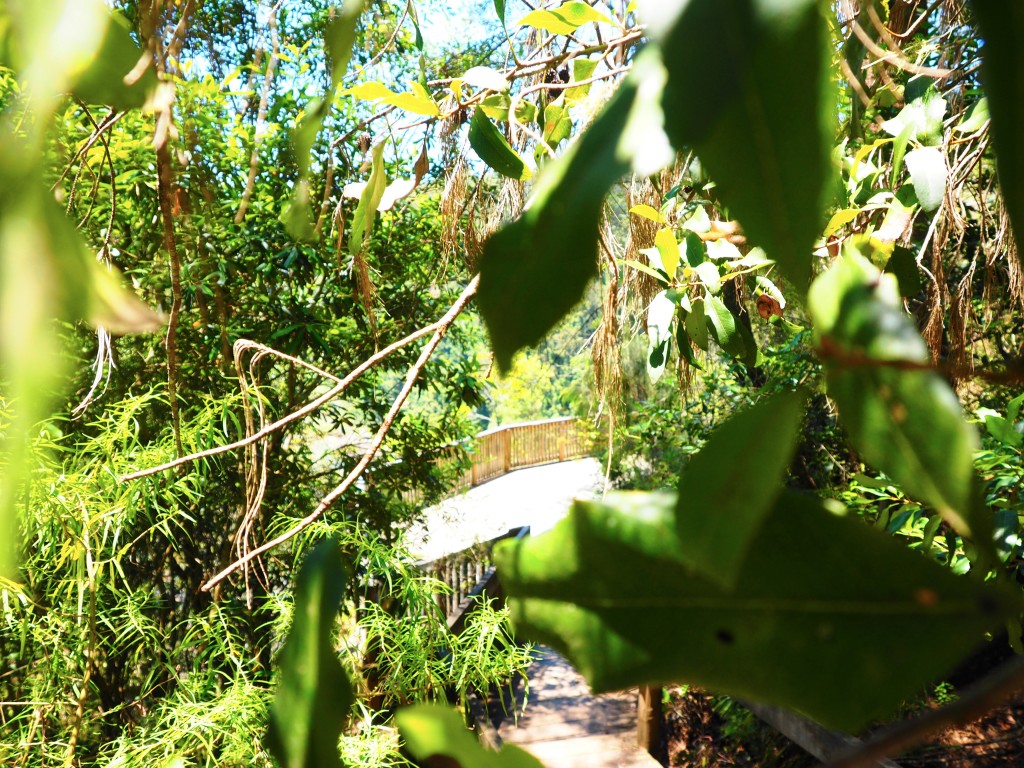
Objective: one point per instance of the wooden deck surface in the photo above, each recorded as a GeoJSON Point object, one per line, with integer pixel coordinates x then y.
{"type": "Point", "coordinates": [566, 726]}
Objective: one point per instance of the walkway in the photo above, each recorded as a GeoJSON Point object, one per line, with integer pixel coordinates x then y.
{"type": "Point", "coordinates": [565, 726]}
{"type": "Point", "coordinates": [538, 497]}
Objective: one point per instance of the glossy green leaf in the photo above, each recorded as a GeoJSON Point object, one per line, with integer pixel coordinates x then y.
{"type": "Point", "coordinates": [369, 200]}
{"type": "Point", "coordinates": [609, 587]}
{"type": "Point", "coordinates": [313, 695]}
{"type": "Point", "coordinates": [565, 19]}
{"type": "Point", "coordinates": [927, 168]}
{"type": "Point", "coordinates": [904, 419]}
{"type": "Point", "coordinates": [697, 324]}
{"type": "Point", "coordinates": [903, 265]}
{"type": "Point", "coordinates": [660, 315]}
{"type": "Point", "coordinates": [1001, 428]}
{"type": "Point", "coordinates": [491, 147]}
{"type": "Point", "coordinates": [764, 140]}
{"type": "Point", "coordinates": [430, 730]}
{"type": "Point", "coordinates": [684, 346]}
{"type": "Point", "coordinates": [536, 268]}
{"type": "Point", "coordinates": [1001, 25]}
{"type": "Point", "coordinates": [721, 321]}
{"type": "Point", "coordinates": [728, 489]}
{"type": "Point", "coordinates": [499, 8]}
{"type": "Point", "coordinates": [976, 118]}
{"type": "Point", "coordinates": [695, 248]}
{"type": "Point", "coordinates": [709, 276]}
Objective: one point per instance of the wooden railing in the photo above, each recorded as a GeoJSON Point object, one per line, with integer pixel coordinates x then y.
{"type": "Point", "coordinates": [498, 451]}
{"type": "Point", "coordinates": [470, 576]}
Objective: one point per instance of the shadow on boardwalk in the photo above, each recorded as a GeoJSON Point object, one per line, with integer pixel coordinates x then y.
{"type": "Point", "coordinates": [566, 726]}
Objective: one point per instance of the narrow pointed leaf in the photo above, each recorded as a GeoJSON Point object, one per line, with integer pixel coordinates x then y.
{"type": "Point", "coordinates": [314, 695]}
{"type": "Point", "coordinates": [535, 269]}
{"type": "Point", "coordinates": [609, 587]}
{"type": "Point", "coordinates": [369, 200]}
{"type": "Point", "coordinates": [491, 147]}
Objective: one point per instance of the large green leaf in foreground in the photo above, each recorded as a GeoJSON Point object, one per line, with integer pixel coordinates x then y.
{"type": "Point", "coordinates": [902, 417]}
{"type": "Point", "coordinates": [807, 626]}
{"type": "Point", "coordinates": [314, 694]}
{"type": "Point", "coordinates": [725, 493]}
{"type": "Point", "coordinates": [534, 270]}
{"type": "Point", "coordinates": [762, 127]}
{"type": "Point", "coordinates": [1001, 23]}
{"type": "Point", "coordinates": [431, 729]}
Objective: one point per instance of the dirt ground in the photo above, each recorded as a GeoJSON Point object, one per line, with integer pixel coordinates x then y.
{"type": "Point", "coordinates": [702, 732]}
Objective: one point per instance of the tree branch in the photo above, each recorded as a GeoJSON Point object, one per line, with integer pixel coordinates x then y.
{"type": "Point", "coordinates": [440, 329]}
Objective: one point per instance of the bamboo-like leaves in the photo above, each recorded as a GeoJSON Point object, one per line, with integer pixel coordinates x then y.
{"type": "Point", "coordinates": [610, 588]}
{"type": "Point", "coordinates": [314, 694]}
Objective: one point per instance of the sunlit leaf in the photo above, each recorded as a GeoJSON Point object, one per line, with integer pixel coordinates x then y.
{"type": "Point", "coordinates": [647, 212]}
{"type": "Point", "coordinates": [430, 730]}
{"type": "Point", "coordinates": [485, 77]}
{"type": "Point", "coordinates": [927, 168]}
{"type": "Point", "coordinates": [563, 20]}
{"type": "Point", "coordinates": [976, 118]}
{"type": "Point", "coordinates": [668, 248]}
{"type": "Point", "coordinates": [313, 695]}
{"type": "Point", "coordinates": [418, 101]}
{"type": "Point", "coordinates": [369, 201]}
{"type": "Point", "coordinates": [660, 314]}
{"type": "Point", "coordinates": [492, 147]}
{"type": "Point", "coordinates": [920, 120]}
{"type": "Point", "coordinates": [697, 324]}
{"type": "Point", "coordinates": [609, 587]}
{"type": "Point", "coordinates": [764, 141]}
{"type": "Point", "coordinates": [113, 307]}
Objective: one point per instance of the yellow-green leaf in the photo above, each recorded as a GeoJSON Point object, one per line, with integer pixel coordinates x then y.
{"type": "Point", "coordinates": [565, 19]}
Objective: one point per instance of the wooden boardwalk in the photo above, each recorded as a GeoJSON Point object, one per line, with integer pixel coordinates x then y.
{"type": "Point", "coordinates": [566, 726]}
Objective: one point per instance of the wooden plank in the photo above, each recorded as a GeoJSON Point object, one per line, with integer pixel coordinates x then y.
{"type": "Point", "coordinates": [648, 719]}
{"type": "Point", "coordinates": [811, 737]}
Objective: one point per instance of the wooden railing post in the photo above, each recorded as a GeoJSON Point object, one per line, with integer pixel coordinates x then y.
{"type": "Point", "coordinates": [648, 719]}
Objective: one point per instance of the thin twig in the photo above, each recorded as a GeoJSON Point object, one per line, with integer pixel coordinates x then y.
{"type": "Point", "coordinates": [440, 329]}
{"type": "Point", "coordinates": [896, 59]}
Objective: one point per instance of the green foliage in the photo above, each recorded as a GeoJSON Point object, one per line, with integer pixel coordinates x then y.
{"type": "Point", "coordinates": [609, 586]}
{"type": "Point", "coordinates": [534, 271]}
{"type": "Point", "coordinates": [1001, 26]}
{"type": "Point", "coordinates": [433, 730]}
{"type": "Point", "coordinates": [314, 695]}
